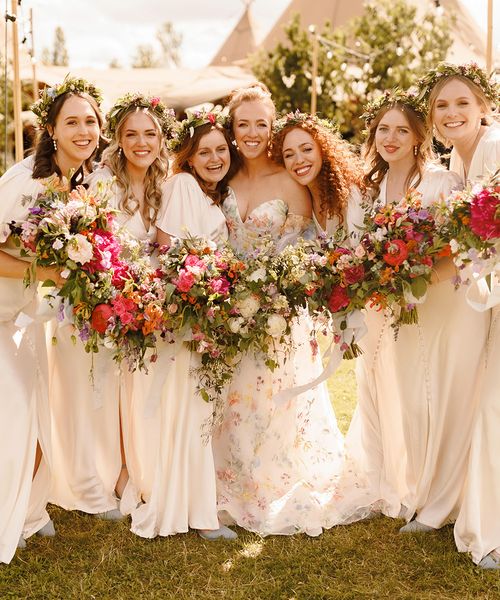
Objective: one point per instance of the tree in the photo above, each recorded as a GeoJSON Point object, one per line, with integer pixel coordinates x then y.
{"type": "Point", "coordinates": [58, 56]}
{"type": "Point", "coordinates": [145, 57]}
{"type": "Point", "coordinates": [170, 42]}
{"type": "Point", "coordinates": [385, 47]}
{"type": "Point", "coordinates": [114, 63]}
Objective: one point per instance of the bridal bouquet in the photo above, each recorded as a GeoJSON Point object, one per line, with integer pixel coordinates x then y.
{"type": "Point", "coordinates": [402, 243]}
{"type": "Point", "coordinates": [470, 220]}
{"type": "Point", "coordinates": [200, 282]}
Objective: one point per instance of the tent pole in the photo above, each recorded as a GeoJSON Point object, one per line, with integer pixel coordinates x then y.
{"type": "Point", "coordinates": [18, 124]}
{"type": "Point", "coordinates": [489, 38]}
{"type": "Point", "coordinates": [314, 74]}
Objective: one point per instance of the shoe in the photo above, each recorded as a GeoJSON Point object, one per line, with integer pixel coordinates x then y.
{"type": "Point", "coordinates": [490, 561]}
{"type": "Point", "coordinates": [22, 542]}
{"type": "Point", "coordinates": [215, 534]}
{"type": "Point", "coordinates": [416, 527]}
{"type": "Point", "coordinates": [47, 530]}
{"type": "Point", "coordinates": [110, 515]}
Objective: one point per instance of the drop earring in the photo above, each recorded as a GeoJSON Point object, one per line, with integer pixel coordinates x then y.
{"type": "Point", "coordinates": [54, 143]}
{"type": "Point", "coordinates": [120, 151]}
{"type": "Point", "coordinates": [415, 151]}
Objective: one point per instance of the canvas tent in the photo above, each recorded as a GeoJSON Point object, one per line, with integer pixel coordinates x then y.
{"type": "Point", "coordinates": [240, 42]}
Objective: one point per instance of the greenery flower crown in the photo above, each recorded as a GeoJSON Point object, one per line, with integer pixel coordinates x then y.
{"type": "Point", "coordinates": [471, 71]}
{"type": "Point", "coordinates": [390, 98]}
{"type": "Point", "coordinates": [165, 116]}
{"type": "Point", "coordinates": [292, 119]}
{"type": "Point", "coordinates": [42, 107]}
{"type": "Point", "coordinates": [186, 127]}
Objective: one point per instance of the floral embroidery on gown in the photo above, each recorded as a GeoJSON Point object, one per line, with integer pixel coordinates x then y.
{"type": "Point", "coordinates": [277, 464]}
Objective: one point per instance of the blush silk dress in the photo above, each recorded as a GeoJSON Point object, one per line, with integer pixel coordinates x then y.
{"type": "Point", "coordinates": [477, 529]}
{"type": "Point", "coordinates": [24, 409]}
{"type": "Point", "coordinates": [177, 484]}
{"type": "Point", "coordinates": [277, 463]}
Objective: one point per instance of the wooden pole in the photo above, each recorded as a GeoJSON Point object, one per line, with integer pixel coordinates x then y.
{"type": "Point", "coordinates": [314, 74]}
{"type": "Point", "coordinates": [33, 59]}
{"type": "Point", "coordinates": [489, 38]}
{"type": "Point", "coordinates": [18, 124]}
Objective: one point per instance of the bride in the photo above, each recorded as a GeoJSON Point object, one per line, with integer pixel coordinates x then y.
{"type": "Point", "coordinates": [277, 463]}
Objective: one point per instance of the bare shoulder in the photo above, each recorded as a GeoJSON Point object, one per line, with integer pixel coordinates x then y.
{"type": "Point", "coordinates": [295, 195]}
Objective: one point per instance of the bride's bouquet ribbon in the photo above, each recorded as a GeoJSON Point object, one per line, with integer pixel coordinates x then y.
{"type": "Point", "coordinates": [354, 329]}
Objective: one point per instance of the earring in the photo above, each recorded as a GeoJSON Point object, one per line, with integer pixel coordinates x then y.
{"type": "Point", "coordinates": [415, 151]}
{"type": "Point", "coordinates": [54, 143]}
{"type": "Point", "coordinates": [120, 151]}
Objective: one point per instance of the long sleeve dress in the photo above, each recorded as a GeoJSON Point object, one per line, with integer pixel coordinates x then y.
{"type": "Point", "coordinates": [24, 411]}
{"type": "Point", "coordinates": [477, 529]}
{"type": "Point", "coordinates": [177, 485]}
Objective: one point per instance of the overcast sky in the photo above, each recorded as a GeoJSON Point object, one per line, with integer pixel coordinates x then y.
{"type": "Point", "coordinates": [98, 31]}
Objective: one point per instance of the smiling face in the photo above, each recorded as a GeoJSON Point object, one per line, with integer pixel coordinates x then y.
{"type": "Point", "coordinates": [76, 132]}
{"type": "Point", "coordinates": [211, 159]}
{"type": "Point", "coordinates": [301, 156]}
{"type": "Point", "coordinates": [140, 140]}
{"type": "Point", "coordinates": [456, 112]}
{"type": "Point", "coordinates": [252, 127]}
{"type": "Point", "coordinates": [394, 138]}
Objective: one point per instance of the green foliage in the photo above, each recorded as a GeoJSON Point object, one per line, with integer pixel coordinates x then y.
{"type": "Point", "coordinates": [58, 56]}
{"type": "Point", "coordinates": [170, 42]}
{"type": "Point", "coordinates": [389, 45]}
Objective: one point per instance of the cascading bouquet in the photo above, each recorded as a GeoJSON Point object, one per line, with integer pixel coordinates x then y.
{"type": "Point", "coordinates": [76, 232]}
{"type": "Point", "coordinates": [470, 221]}
{"type": "Point", "coordinates": [200, 280]}
{"type": "Point", "coordinates": [402, 243]}
{"type": "Point", "coordinates": [328, 277]}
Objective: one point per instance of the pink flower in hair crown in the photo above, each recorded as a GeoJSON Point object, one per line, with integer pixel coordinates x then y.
{"type": "Point", "coordinates": [211, 118]}
{"type": "Point", "coordinates": [155, 101]}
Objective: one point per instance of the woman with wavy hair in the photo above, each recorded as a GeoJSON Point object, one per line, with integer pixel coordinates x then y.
{"type": "Point", "coordinates": [317, 157]}
{"type": "Point", "coordinates": [437, 361]}
{"type": "Point", "coordinates": [177, 489]}
{"type": "Point", "coordinates": [70, 122]}
{"type": "Point", "coordinates": [91, 454]}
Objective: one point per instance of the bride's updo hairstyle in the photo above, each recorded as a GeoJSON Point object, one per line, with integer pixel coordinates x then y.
{"type": "Point", "coordinates": [254, 91]}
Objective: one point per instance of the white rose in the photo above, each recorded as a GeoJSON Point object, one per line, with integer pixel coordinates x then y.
{"type": "Point", "coordinates": [80, 249]}
{"type": "Point", "coordinates": [58, 244]}
{"type": "Point", "coordinates": [454, 246]}
{"type": "Point", "coordinates": [360, 251]}
{"type": "Point", "coordinates": [258, 275]}
{"type": "Point", "coordinates": [280, 302]}
{"type": "Point", "coordinates": [235, 324]}
{"type": "Point", "coordinates": [380, 234]}
{"type": "Point", "coordinates": [276, 325]}
{"type": "Point", "coordinates": [248, 306]}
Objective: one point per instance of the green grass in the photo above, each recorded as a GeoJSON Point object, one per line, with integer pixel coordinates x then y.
{"type": "Point", "coordinates": [93, 559]}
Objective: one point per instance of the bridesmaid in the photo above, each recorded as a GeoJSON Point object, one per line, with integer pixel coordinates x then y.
{"type": "Point", "coordinates": [135, 164]}
{"type": "Point", "coordinates": [436, 361]}
{"type": "Point", "coordinates": [461, 99]}
{"type": "Point", "coordinates": [83, 473]}
{"type": "Point", "coordinates": [277, 463]}
{"type": "Point", "coordinates": [318, 158]}
{"type": "Point", "coordinates": [70, 120]}
{"type": "Point", "coordinates": [178, 487]}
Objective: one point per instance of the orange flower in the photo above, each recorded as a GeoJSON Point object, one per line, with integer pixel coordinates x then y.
{"type": "Point", "coordinates": [446, 251]}
{"type": "Point", "coordinates": [386, 275]}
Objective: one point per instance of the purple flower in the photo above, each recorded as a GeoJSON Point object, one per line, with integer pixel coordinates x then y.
{"type": "Point", "coordinates": [84, 333]}
{"type": "Point", "coordinates": [36, 210]}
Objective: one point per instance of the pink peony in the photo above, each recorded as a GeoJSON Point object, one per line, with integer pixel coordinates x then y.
{"type": "Point", "coordinates": [219, 285]}
{"type": "Point", "coordinates": [338, 299]}
{"type": "Point", "coordinates": [192, 260]}
{"type": "Point", "coordinates": [155, 101]}
{"type": "Point", "coordinates": [185, 281]}
{"type": "Point", "coordinates": [122, 306]}
{"type": "Point", "coordinates": [485, 215]}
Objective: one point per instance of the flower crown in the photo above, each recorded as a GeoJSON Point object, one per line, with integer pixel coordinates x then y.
{"type": "Point", "coordinates": [196, 119]}
{"type": "Point", "coordinates": [42, 107]}
{"type": "Point", "coordinates": [471, 71]}
{"type": "Point", "coordinates": [165, 116]}
{"type": "Point", "coordinates": [292, 119]}
{"type": "Point", "coordinates": [390, 98]}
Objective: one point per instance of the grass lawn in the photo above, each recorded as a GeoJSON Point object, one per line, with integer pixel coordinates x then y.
{"type": "Point", "coordinates": [93, 559]}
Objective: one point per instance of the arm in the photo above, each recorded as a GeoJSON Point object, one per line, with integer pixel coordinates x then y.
{"type": "Point", "coordinates": [15, 268]}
